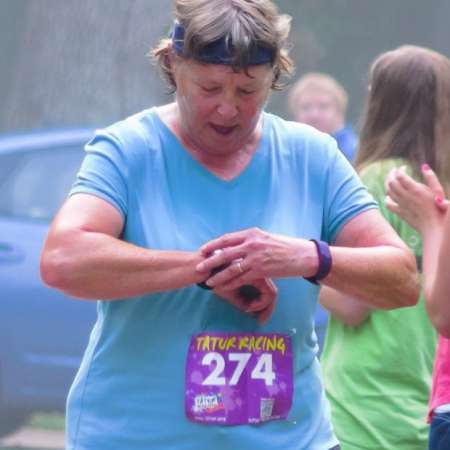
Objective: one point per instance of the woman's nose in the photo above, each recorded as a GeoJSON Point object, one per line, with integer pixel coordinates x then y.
{"type": "Point", "coordinates": [227, 108]}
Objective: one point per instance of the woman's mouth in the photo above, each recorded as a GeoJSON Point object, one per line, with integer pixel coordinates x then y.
{"type": "Point", "coordinates": [222, 130]}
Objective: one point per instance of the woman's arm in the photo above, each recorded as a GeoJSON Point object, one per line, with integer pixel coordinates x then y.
{"type": "Point", "coordinates": [437, 287]}
{"type": "Point", "coordinates": [373, 265]}
{"type": "Point", "coordinates": [349, 311]}
{"type": "Point", "coordinates": [370, 262]}
{"type": "Point", "coordinates": [84, 257]}
{"type": "Point", "coordinates": [423, 207]}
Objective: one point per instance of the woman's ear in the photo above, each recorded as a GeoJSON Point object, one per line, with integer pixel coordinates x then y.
{"type": "Point", "coordinates": [170, 64]}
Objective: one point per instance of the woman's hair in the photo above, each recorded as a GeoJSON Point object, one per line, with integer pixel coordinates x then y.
{"type": "Point", "coordinates": [318, 82]}
{"type": "Point", "coordinates": [245, 23]}
{"type": "Point", "coordinates": [407, 113]}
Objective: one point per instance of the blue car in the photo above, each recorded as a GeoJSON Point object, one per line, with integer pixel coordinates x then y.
{"type": "Point", "coordinates": [43, 333]}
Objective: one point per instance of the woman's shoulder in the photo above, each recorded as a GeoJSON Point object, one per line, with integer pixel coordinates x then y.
{"type": "Point", "coordinates": [137, 129]}
{"type": "Point", "coordinates": [134, 138]}
{"type": "Point", "coordinates": [299, 138]}
{"type": "Point", "coordinates": [295, 130]}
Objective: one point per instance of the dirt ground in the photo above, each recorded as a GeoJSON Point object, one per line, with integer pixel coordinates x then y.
{"type": "Point", "coordinates": [32, 438]}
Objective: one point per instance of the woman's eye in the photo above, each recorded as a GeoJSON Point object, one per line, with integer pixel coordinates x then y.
{"type": "Point", "coordinates": [246, 92]}
{"type": "Point", "coordinates": [210, 89]}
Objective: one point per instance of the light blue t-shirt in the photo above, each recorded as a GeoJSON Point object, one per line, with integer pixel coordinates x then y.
{"type": "Point", "coordinates": [129, 391]}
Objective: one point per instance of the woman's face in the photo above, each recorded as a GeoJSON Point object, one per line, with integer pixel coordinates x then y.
{"type": "Point", "coordinates": [219, 108]}
{"type": "Point", "coordinates": [320, 110]}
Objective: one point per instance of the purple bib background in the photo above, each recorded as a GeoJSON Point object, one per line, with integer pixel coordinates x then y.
{"type": "Point", "coordinates": [249, 400]}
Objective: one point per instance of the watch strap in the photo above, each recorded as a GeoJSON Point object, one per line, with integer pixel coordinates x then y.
{"type": "Point", "coordinates": [325, 261]}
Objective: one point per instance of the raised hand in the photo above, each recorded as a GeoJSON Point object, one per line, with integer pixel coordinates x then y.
{"type": "Point", "coordinates": [421, 205]}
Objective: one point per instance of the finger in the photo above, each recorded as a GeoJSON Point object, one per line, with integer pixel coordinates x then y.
{"type": "Point", "coordinates": [390, 177]}
{"type": "Point", "coordinates": [262, 285]}
{"type": "Point", "coordinates": [268, 294]}
{"type": "Point", "coordinates": [225, 289]}
{"type": "Point", "coordinates": [229, 284]}
{"type": "Point", "coordinates": [266, 314]}
{"type": "Point", "coordinates": [230, 297]}
{"type": "Point", "coordinates": [220, 258]}
{"type": "Point", "coordinates": [231, 277]}
{"type": "Point", "coordinates": [432, 181]}
{"type": "Point", "coordinates": [398, 178]}
{"type": "Point", "coordinates": [258, 305]}
{"type": "Point", "coordinates": [265, 286]}
{"type": "Point", "coordinates": [249, 293]}
{"type": "Point", "coordinates": [227, 240]}
{"type": "Point", "coordinates": [263, 302]}
{"type": "Point", "coordinates": [405, 181]}
{"type": "Point", "coordinates": [391, 205]}
{"type": "Point", "coordinates": [391, 180]}
{"type": "Point", "coordinates": [404, 189]}
{"type": "Point", "coordinates": [441, 203]}
{"type": "Point", "coordinates": [395, 189]}
{"type": "Point", "coordinates": [271, 286]}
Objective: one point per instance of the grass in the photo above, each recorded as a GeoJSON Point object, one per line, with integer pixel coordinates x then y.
{"type": "Point", "coordinates": [48, 421]}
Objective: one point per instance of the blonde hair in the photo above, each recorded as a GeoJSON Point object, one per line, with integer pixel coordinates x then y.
{"type": "Point", "coordinates": [407, 113]}
{"type": "Point", "coordinates": [246, 22]}
{"type": "Point", "coordinates": [316, 81]}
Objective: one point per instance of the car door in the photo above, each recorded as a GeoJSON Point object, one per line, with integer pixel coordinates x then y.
{"type": "Point", "coordinates": [42, 332]}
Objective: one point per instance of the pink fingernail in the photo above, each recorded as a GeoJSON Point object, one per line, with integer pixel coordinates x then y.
{"type": "Point", "coordinates": [425, 167]}
{"type": "Point", "coordinates": [439, 199]}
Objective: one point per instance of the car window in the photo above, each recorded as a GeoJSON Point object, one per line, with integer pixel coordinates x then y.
{"type": "Point", "coordinates": [34, 184]}
{"type": "Point", "coordinates": [7, 164]}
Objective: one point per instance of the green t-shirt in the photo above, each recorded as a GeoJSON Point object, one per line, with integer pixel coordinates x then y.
{"type": "Point", "coordinates": [377, 375]}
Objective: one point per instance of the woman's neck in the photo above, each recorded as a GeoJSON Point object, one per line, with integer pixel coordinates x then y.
{"type": "Point", "coordinates": [224, 165]}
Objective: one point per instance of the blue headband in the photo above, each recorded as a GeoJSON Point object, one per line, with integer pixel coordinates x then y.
{"type": "Point", "coordinates": [221, 50]}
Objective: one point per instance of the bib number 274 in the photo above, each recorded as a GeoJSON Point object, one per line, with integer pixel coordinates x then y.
{"type": "Point", "coordinates": [262, 370]}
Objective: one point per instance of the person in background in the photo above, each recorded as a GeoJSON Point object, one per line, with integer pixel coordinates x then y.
{"type": "Point", "coordinates": [377, 364]}
{"type": "Point", "coordinates": [317, 99]}
{"type": "Point", "coordinates": [181, 357]}
{"type": "Point", "coordinates": [424, 207]}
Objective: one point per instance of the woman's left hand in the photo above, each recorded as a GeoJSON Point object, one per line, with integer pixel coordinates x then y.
{"type": "Point", "coordinates": [261, 307]}
{"type": "Point", "coordinates": [253, 254]}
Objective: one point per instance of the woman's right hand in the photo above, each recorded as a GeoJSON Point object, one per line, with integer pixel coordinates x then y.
{"type": "Point", "coordinates": [422, 205]}
{"type": "Point", "coordinates": [261, 307]}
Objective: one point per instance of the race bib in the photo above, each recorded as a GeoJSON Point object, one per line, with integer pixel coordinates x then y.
{"type": "Point", "coordinates": [234, 379]}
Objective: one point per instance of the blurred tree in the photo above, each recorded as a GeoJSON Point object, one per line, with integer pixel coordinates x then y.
{"type": "Point", "coordinates": [342, 37]}
{"type": "Point", "coordinates": [81, 62]}
{"type": "Point", "coordinates": [440, 27]}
